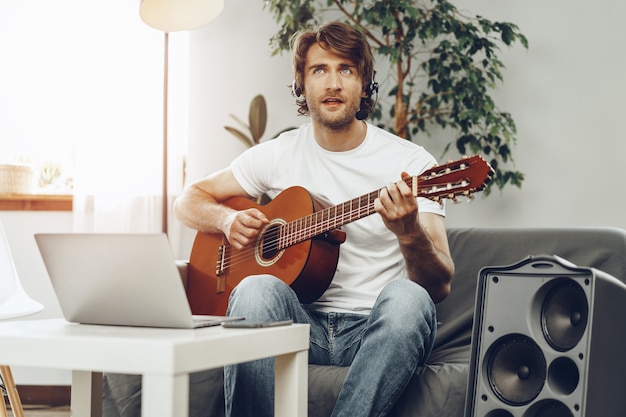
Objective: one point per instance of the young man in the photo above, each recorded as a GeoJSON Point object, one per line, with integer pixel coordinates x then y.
{"type": "Point", "coordinates": [378, 315]}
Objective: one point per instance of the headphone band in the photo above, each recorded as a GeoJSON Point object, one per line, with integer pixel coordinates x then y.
{"type": "Point", "coordinates": [369, 90]}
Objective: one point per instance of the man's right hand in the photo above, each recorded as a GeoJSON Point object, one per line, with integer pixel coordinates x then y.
{"type": "Point", "coordinates": [241, 228]}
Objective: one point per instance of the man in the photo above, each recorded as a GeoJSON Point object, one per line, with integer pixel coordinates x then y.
{"type": "Point", "coordinates": [378, 315]}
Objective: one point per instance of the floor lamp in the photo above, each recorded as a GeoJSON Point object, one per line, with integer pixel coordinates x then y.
{"type": "Point", "coordinates": [172, 16]}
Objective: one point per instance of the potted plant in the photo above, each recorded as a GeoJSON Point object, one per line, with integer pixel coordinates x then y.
{"type": "Point", "coordinates": [257, 121]}
{"type": "Point", "coordinates": [253, 131]}
{"type": "Point", "coordinates": [442, 63]}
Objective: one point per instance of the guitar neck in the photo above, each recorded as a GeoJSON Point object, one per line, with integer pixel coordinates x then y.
{"type": "Point", "coordinates": [462, 177]}
{"type": "Point", "coordinates": [331, 218]}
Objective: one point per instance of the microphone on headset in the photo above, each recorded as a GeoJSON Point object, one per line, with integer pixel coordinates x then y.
{"type": "Point", "coordinates": [361, 114]}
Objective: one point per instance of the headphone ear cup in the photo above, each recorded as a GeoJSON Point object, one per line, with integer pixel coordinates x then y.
{"type": "Point", "coordinates": [371, 89]}
{"type": "Point", "coordinates": [374, 88]}
{"type": "Point", "coordinates": [295, 90]}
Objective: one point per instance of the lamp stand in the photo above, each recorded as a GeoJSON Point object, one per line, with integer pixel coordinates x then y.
{"type": "Point", "coordinates": [165, 201]}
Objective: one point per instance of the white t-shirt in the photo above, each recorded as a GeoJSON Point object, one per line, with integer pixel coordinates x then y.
{"type": "Point", "coordinates": [370, 257]}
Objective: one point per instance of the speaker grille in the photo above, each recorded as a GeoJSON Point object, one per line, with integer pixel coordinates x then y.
{"type": "Point", "coordinates": [516, 369]}
{"type": "Point", "coordinates": [564, 315]}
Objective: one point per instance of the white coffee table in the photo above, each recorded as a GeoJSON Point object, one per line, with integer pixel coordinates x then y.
{"type": "Point", "coordinates": [164, 357]}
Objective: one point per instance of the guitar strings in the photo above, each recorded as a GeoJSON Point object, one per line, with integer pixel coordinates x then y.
{"type": "Point", "coordinates": [283, 236]}
{"type": "Point", "coordinates": [272, 243]}
{"type": "Point", "coordinates": [357, 208]}
{"type": "Point", "coordinates": [289, 234]}
{"type": "Point", "coordinates": [293, 233]}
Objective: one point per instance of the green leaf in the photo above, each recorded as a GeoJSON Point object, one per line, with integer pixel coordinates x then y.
{"type": "Point", "coordinates": [240, 135]}
{"type": "Point", "coordinates": [257, 117]}
{"type": "Point", "coordinates": [239, 121]}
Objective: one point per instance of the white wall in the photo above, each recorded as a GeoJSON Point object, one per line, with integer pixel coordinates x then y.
{"type": "Point", "coordinates": [566, 94]}
{"type": "Point", "coordinates": [230, 64]}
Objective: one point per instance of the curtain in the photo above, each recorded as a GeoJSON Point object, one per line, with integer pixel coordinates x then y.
{"type": "Point", "coordinates": [81, 87]}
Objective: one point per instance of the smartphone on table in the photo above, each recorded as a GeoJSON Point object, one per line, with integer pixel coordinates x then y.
{"type": "Point", "coordinates": [251, 324]}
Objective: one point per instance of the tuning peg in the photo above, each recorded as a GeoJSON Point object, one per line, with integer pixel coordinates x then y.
{"type": "Point", "coordinates": [453, 198]}
{"type": "Point", "coordinates": [468, 196]}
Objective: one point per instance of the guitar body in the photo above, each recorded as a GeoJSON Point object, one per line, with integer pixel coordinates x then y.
{"type": "Point", "coordinates": [308, 267]}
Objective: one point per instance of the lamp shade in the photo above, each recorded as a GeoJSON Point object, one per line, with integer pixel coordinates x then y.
{"type": "Point", "coordinates": [176, 15]}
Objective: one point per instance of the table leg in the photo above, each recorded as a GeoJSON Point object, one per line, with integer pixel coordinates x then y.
{"type": "Point", "coordinates": [11, 389]}
{"type": "Point", "coordinates": [3, 409]}
{"type": "Point", "coordinates": [86, 394]}
{"type": "Point", "coordinates": [291, 385]}
{"type": "Point", "coordinates": [165, 395]}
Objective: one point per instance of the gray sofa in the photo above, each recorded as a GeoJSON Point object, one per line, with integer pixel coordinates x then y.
{"type": "Point", "coordinates": [438, 389]}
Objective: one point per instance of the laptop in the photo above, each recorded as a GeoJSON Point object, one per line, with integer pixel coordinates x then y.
{"type": "Point", "coordinates": [119, 279]}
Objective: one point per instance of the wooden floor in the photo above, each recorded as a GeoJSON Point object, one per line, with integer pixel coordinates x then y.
{"type": "Point", "coordinates": [40, 401]}
{"type": "Point", "coordinates": [44, 411]}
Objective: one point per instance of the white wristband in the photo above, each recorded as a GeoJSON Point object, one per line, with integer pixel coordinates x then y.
{"type": "Point", "coordinates": [228, 223]}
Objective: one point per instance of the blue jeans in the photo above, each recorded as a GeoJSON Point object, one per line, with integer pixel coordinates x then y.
{"type": "Point", "coordinates": [382, 349]}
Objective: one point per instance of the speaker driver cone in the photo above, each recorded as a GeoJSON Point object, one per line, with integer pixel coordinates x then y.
{"type": "Point", "coordinates": [549, 408]}
{"type": "Point", "coordinates": [498, 413]}
{"type": "Point", "coordinates": [564, 315]}
{"type": "Point", "coordinates": [516, 369]}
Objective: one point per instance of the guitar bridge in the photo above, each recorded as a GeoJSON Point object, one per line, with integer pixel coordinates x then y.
{"type": "Point", "coordinates": [220, 269]}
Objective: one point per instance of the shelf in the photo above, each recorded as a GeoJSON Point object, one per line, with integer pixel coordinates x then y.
{"type": "Point", "coordinates": [36, 202]}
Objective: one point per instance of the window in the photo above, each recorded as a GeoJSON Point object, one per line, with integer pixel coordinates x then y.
{"type": "Point", "coordinates": [81, 97]}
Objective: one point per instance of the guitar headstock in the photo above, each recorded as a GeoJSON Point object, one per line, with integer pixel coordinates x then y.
{"type": "Point", "coordinates": [463, 177]}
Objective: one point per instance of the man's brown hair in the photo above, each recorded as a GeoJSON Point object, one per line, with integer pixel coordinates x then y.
{"type": "Point", "coordinates": [342, 39]}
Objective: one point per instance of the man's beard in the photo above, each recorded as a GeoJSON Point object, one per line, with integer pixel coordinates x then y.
{"type": "Point", "coordinates": [338, 120]}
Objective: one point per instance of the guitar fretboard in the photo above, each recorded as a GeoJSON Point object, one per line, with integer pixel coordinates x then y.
{"type": "Point", "coordinates": [462, 177]}
{"type": "Point", "coordinates": [331, 218]}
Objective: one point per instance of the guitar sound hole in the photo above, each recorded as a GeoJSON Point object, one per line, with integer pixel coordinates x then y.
{"type": "Point", "coordinates": [269, 242]}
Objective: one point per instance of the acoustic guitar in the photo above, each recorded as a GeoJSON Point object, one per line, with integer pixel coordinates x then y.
{"type": "Point", "coordinates": [300, 245]}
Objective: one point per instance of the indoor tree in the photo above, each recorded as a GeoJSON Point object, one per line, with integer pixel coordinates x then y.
{"type": "Point", "coordinates": [443, 65]}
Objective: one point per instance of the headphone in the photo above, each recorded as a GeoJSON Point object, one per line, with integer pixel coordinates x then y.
{"type": "Point", "coordinates": [295, 90]}
{"type": "Point", "coordinates": [369, 90]}
{"type": "Point", "coordinates": [372, 88]}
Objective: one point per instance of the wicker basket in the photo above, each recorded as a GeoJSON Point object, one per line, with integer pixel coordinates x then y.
{"type": "Point", "coordinates": [15, 179]}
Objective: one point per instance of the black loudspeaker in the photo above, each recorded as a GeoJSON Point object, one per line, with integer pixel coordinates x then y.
{"type": "Point", "coordinates": [549, 340]}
